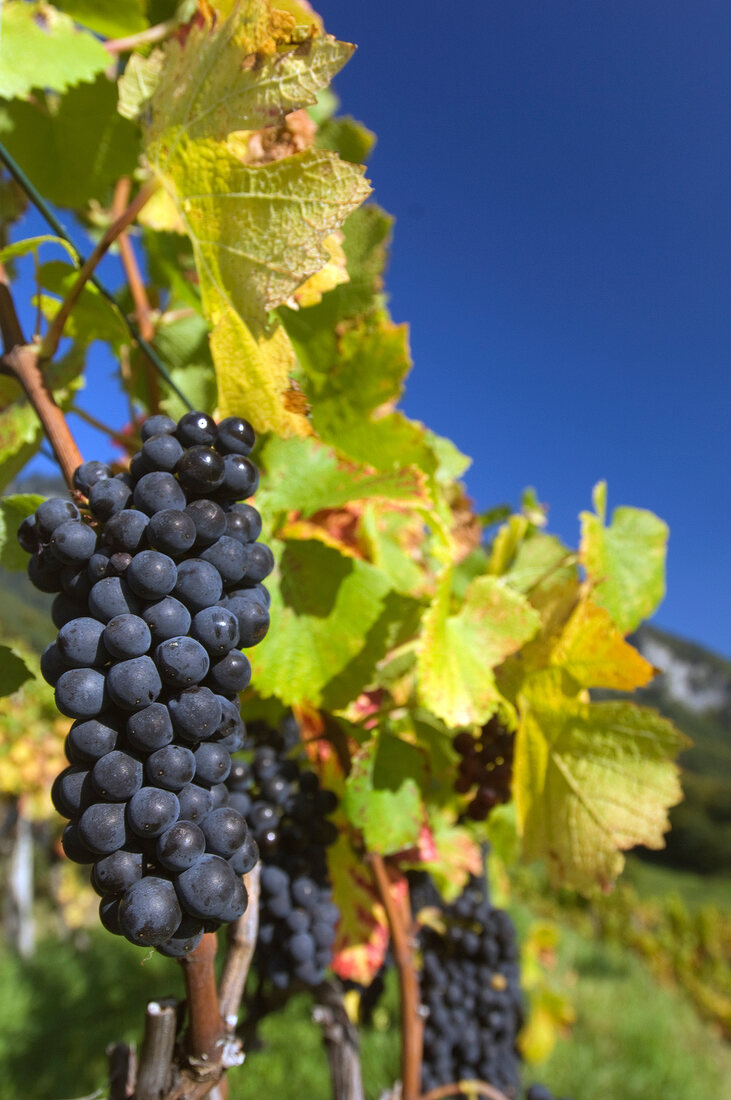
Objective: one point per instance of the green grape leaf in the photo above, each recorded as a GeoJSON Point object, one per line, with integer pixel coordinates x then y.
{"type": "Point", "coordinates": [32, 244]}
{"type": "Point", "coordinates": [324, 605]}
{"type": "Point", "coordinates": [109, 18]}
{"type": "Point", "coordinates": [389, 536]}
{"type": "Point", "coordinates": [352, 389]}
{"type": "Point", "coordinates": [591, 780]}
{"type": "Point", "coordinates": [538, 558]}
{"type": "Point", "coordinates": [389, 816]}
{"type": "Point", "coordinates": [41, 48]}
{"type": "Point", "coordinates": [626, 563]}
{"type": "Point", "coordinates": [93, 316]}
{"type": "Point", "coordinates": [346, 137]}
{"type": "Point", "coordinates": [362, 934]}
{"type": "Point", "coordinates": [13, 671]}
{"type": "Point", "coordinates": [305, 476]}
{"type": "Point", "coordinates": [457, 652]}
{"type": "Point", "coordinates": [72, 147]}
{"type": "Point", "coordinates": [13, 510]}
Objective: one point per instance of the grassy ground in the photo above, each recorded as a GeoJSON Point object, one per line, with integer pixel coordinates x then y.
{"type": "Point", "coordinates": [632, 1039]}
{"type": "Point", "coordinates": [651, 880]}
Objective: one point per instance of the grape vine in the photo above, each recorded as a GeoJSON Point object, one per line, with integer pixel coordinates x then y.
{"type": "Point", "coordinates": [426, 680]}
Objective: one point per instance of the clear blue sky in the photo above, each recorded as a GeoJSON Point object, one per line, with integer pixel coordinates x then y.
{"type": "Point", "coordinates": [561, 178]}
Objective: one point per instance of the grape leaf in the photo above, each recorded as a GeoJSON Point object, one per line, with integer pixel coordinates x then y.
{"type": "Point", "coordinates": [109, 18]}
{"type": "Point", "coordinates": [41, 48]}
{"type": "Point", "coordinates": [258, 230]}
{"type": "Point", "coordinates": [537, 558]}
{"type": "Point", "coordinates": [390, 537]}
{"type": "Point", "coordinates": [32, 244]}
{"type": "Point", "coordinates": [591, 780]}
{"type": "Point", "coordinates": [351, 140]}
{"type": "Point", "coordinates": [73, 147]}
{"type": "Point", "coordinates": [304, 476]}
{"type": "Point", "coordinates": [626, 562]}
{"type": "Point", "coordinates": [388, 816]}
{"type": "Point", "coordinates": [93, 316]}
{"type": "Point", "coordinates": [13, 671]}
{"type": "Point", "coordinates": [324, 605]}
{"type": "Point", "coordinates": [595, 654]}
{"type": "Point", "coordinates": [458, 652]}
{"type": "Point", "coordinates": [13, 510]}
{"type": "Point", "coordinates": [454, 857]}
{"type": "Point", "coordinates": [362, 933]}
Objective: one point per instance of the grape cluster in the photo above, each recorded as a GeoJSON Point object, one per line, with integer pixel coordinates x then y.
{"type": "Point", "coordinates": [287, 812]}
{"type": "Point", "coordinates": [487, 763]}
{"type": "Point", "coordinates": [470, 985]}
{"type": "Point", "coordinates": [158, 589]}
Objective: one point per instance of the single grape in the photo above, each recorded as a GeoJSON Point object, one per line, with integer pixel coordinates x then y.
{"type": "Point", "coordinates": [195, 802]}
{"type": "Point", "coordinates": [102, 827]}
{"type": "Point", "coordinates": [134, 684]}
{"type": "Point", "coordinates": [209, 519]}
{"type": "Point", "coordinates": [51, 514]}
{"type": "Point", "coordinates": [81, 693]}
{"type": "Point", "coordinates": [171, 767]}
{"type": "Point", "coordinates": [200, 470]}
{"type": "Point", "coordinates": [171, 531]}
{"type": "Point", "coordinates": [243, 522]}
{"type": "Point", "coordinates": [116, 776]}
{"type": "Point", "coordinates": [157, 491]}
{"type": "Point", "coordinates": [125, 531]}
{"type": "Point", "coordinates": [212, 763]}
{"type": "Point", "coordinates": [180, 846]}
{"type": "Point", "coordinates": [72, 792]}
{"type": "Point", "coordinates": [81, 643]}
{"type": "Point", "coordinates": [187, 937]}
{"type": "Point", "coordinates": [235, 436]}
{"type": "Point", "coordinates": [245, 856]}
{"type": "Point", "coordinates": [258, 561]}
{"type": "Point", "coordinates": [252, 617]}
{"type": "Point", "coordinates": [231, 674]}
{"type": "Point", "coordinates": [150, 728]}
{"type": "Point", "coordinates": [149, 911]}
{"type": "Point", "coordinates": [127, 636]}
{"type": "Point", "coordinates": [167, 618]}
{"type": "Point", "coordinates": [196, 713]}
{"type": "Point", "coordinates": [199, 584]}
{"type": "Point", "coordinates": [207, 887]}
{"type": "Point", "coordinates": [225, 831]}
{"type": "Point", "coordinates": [150, 811]}
{"type": "Point", "coordinates": [112, 596]}
{"type": "Point", "coordinates": [73, 542]}
{"type": "Point", "coordinates": [161, 452]}
{"type": "Point", "coordinates": [108, 497]}
{"type": "Point", "coordinates": [215, 628]}
{"type": "Point", "coordinates": [151, 574]}
{"type": "Point", "coordinates": [52, 664]}
{"type": "Point", "coordinates": [240, 478]}
{"type": "Point", "coordinates": [157, 425]}
{"type": "Point", "coordinates": [88, 473]}
{"type": "Point", "coordinates": [117, 871]}
{"type": "Point", "coordinates": [196, 428]}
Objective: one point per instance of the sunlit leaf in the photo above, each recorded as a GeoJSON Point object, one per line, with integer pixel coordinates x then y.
{"type": "Point", "coordinates": [13, 510]}
{"type": "Point", "coordinates": [592, 650]}
{"type": "Point", "coordinates": [41, 48]}
{"type": "Point", "coordinates": [591, 780]}
{"type": "Point", "coordinates": [388, 813]}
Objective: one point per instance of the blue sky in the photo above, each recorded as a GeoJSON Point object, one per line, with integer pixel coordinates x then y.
{"type": "Point", "coordinates": [560, 178]}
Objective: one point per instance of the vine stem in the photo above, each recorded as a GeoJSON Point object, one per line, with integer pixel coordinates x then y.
{"type": "Point", "coordinates": [466, 1088]}
{"type": "Point", "coordinates": [137, 289]}
{"type": "Point", "coordinates": [399, 923]}
{"type": "Point", "coordinates": [205, 1027]}
{"type": "Point", "coordinates": [151, 34]}
{"type": "Point", "coordinates": [55, 330]}
{"type": "Point", "coordinates": [21, 360]}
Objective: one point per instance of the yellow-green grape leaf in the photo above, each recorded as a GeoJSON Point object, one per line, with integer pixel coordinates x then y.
{"type": "Point", "coordinates": [41, 48]}
{"type": "Point", "coordinates": [73, 147]}
{"type": "Point", "coordinates": [591, 780]}
{"type": "Point", "coordinates": [303, 475]}
{"type": "Point", "coordinates": [362, 934]}
{"type": "Point", "coordinates": [388, 816]}
{"type": "Point", "coordinates": [626, 563]}
{"type": "Point", "coordinates": [13, 510]}
{"type": "Point", "coordinates": [458, 652]}
{"type": "Point", "coordinates": [352, 398]}
{"type": "Point", "coordinates": [536, 559]}
{"type": "Point", "coordinates": [109, 18]}
{"type": "Point", "coordinates": [32, 244]}
{"type": "Point", "coordinates": [13, 671]}
{"type": "Point", "coordinates": [259, 231]}
{"type": "Point", "coordinates": [391, 537]}
{"type": "Point", "coordinates": [243, 73]}
{"type": "Point", "coordinates": [324, 605]}
{"type": "Point", "coordinates": [592, 650]}
{"type": "Point", "coordinates": [351, 140]}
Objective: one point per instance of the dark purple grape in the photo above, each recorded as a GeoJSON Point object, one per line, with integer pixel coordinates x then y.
{"type": "Point", "coordinates": [235, 436]}
{"type": "Point", "coordinates": [52, 664]}
{"type": "Point", "coordinates": [127, 636]}
{"type": "Point", "coordinates": [149, 911]}
{"type": "Point", "coordinates": [168, 618]}
{"type": "Point", "coordinates": [245, 857]}
{"type": "Point", "coordinates": [51, 514]}
{"type": "Point", "coordinates": [72, 792]}
{"type": "Point", "coordinates": [161, 452]}
{"type": "Point", "coordinates": [252, 617]}
{"type": "Point", "coordinates": [196, 713]}
{"type": "Point", "coordinates": [134, 684]}
{"type": "Point", "coordinates": [196, 428]}
{"type": "Point", "coordinates": [118, 871]}
{"type": "Point", "coordinates": [200, 470]}
{"type": "Point", "coordinates": [157, 491]}
{"type": "Point", "coordinates": [150, 728]}
{"type": "Point", "coordinates": [231, 674]}
{"type": "Point", "coordinates": [183, 662]}
{"type": "Point", "coordinates": [157, 425]}
{"type": "Point", "coordinates": [112, 596]}
{"type": "Point", "coordinates": [180, 846]}
{"type": "Point", "coordinates": [95, 737]}
{"type": "Point", "coordinates": [88, 473]}
{"type": "Point", "coordinates": [81, 693]}
{"type": "Point", "coordinates": [212, 763]}
{"type": "Point", "coordinates": [28, 535]}
{"type": "Point", "coordinates": [126, 531]}
{"type": "Point", "coordinates": [209, 519]}
{"type": "Point", "coordinates": [199, 584]}
{"type": "Point", "coordinates": [171, 767]}
{"type": "Point", "coordinates": [116, 776]}
{"type": "Point", "coordinates": [80, 643]}
{"type": "Point", "coordinates": [243, 522]}
{"type": "Point", "coordinates": [151, 811]}
{"type": "Point", "coordinates": [187, 937]}
{"type": "Point", "coordinates": [102, 827]}
{"type": "Point", "coordinates": [207, 887]}
{"type": "Point", "coordinates": [73, 542]}
{"type": "Point", "coordinates": [74, 847]}
{"type": "Point", "coordinates": [216, 629]}
{"type": "Point", "coordinates": [108, 497]}
{"type": "Point", "coordinates": [225, 831]}
{"type": "Point", "coordinates": [258, 561]}
{"type": "Point", "coordinates": [173, 532]}
{"type": "Point", "coordinates": [151, 574]}
{"type": "Point", "coordinates": [195, 802]}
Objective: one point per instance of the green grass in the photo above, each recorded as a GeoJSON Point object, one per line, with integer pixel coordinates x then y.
{"type": "Point", "coordinates": [58, 1012]}
{"type": "Point", "coordinates": [652, 880]}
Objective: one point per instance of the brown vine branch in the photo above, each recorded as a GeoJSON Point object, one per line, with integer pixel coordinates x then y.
{"type": "Point", "coordinates": [156, 1055]}
{"type": "Point", "coordinates": [150, 35]}
{"type": "Point", "coordinates": [55, 330]}
{"type": "Point", "coordinates": [465, 1088]}
{"type": "Point", "coordinates": [137, 290]}
{"type": "Point", "coordinates": [23, 362]}
{"type": "Point", "coordinates": [239, 953]}
{"type": "Point", "coordinates": [341, 1041]}
{"type": "Point", "coordinates": [10, 330]}
{"type": "Point", "coordinates": [205, 1029]}
{"type": "Point", "coordinates": [122, 1069]}
{"type": "Point", "coordinates": [399, 924]}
